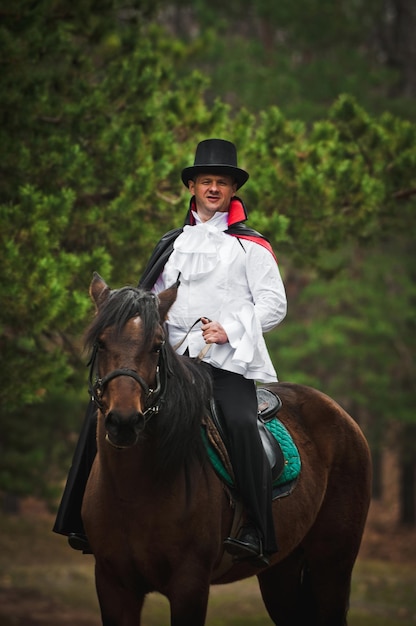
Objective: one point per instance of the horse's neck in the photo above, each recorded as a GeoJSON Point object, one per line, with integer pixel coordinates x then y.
{"type": "Point", "coordinates": [128, 470]}
{"type": "Point", "coordinates": [137, 469]}
{"type": "Point", "coordinates": [125, 473]}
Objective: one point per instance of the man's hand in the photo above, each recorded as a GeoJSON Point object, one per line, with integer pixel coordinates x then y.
{"type": "Point", "coordinates": [213, 332]}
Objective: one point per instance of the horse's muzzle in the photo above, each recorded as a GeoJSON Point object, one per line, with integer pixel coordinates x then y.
{"type": "Point", "coordinates": [123, 431]}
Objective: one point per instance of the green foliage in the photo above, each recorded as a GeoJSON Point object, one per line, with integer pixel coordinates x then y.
{"type": "Point", "coordinates": [98, 119]}
{"type": "Point", "coordinates": [354, 336]}
{"type": "Point", "coordinates": [40, 443]}
{"type": "Point", "coordinates": [95, 127]}
{"type": "Point", "coordinates": [351, 176]}
{"type": "Point", "coordinates": [300, 56]}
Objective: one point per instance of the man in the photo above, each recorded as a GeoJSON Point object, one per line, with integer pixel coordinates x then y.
{"type": "Point", "coordinates": [230, 280]}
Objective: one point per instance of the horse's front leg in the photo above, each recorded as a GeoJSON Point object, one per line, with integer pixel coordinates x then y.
{"type": "Point", "coordinates": [118, 606]}
{"type": "Point", "coordinates": [188, 597]}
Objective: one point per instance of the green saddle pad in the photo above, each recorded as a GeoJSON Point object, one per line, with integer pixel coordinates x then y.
{"type": "Point", "coordinates": [290, 452]}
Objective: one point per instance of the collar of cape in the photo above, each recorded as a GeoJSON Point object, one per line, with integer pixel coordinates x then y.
{"type": "Point", "coordinates": [237, 215]}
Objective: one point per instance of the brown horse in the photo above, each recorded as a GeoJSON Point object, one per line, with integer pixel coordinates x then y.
{"type": "Point", "coordinates": [155, 512]}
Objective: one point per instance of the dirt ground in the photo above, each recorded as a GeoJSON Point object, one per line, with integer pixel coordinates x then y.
{"type": "Point", "coordinates": [27, 606]}
{"type": "Point", "coordinates": [385, 540]}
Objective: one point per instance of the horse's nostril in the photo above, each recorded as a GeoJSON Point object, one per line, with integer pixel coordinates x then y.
{"type": "Point", "coordinates": [112, 422]}
{"type": "Point", "coordinates": [123, 430]}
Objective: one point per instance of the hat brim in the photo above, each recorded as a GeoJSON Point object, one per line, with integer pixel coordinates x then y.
{"type": "Point", "coordinates": [240, 176]}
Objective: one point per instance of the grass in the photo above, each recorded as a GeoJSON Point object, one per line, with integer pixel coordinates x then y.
{"type": "Point", "coordinates": [43, 582]}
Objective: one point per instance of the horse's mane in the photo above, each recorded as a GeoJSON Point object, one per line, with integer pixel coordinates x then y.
{"type": "Point", "coordinates": [188, 388]}
{"type": "Point", "coordinates": [188, 393]}
{"type": "Point", "coordinates": [120, 306]}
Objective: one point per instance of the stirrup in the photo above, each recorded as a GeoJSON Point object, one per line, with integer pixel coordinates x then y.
{"type": "Point", "coordinates": [79, 542]}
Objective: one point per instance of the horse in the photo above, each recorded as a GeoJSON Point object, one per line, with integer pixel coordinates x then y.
{"type": "Point", "coordinates": [155, 511]}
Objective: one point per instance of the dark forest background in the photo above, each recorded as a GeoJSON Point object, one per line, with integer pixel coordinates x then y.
{"type": "Point", "coordinates": [102, 105]}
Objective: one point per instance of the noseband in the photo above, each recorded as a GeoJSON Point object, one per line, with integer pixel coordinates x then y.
{"type": "Point", "coordinates": [153, 397]}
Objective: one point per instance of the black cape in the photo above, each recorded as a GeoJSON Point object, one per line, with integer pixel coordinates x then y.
{"type": "Point", "coordinates": [164, 247]}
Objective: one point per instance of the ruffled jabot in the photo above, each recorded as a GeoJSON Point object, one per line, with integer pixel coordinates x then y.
{"type": "Point", "coordinates": [197, 250]}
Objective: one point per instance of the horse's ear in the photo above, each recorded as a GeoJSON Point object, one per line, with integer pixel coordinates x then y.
{"type": "Point", "coordinates": [166, 299]}
{"type": "Point", "coordinates": [99, 289]}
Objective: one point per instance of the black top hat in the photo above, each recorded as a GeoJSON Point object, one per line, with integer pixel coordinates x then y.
{"type": "Point", "coordinates": [217, 156]}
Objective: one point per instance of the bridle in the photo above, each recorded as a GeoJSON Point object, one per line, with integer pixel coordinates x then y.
{"type": "Point", "coordinates": [153, 398]}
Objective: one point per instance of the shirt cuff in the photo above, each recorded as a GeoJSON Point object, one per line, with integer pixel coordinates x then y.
{"type": "Point", "coordinates": [234, 330]}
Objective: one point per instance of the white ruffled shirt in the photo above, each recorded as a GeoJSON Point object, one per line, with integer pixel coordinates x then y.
{"type": "Point", "coordinates": [236, 283]}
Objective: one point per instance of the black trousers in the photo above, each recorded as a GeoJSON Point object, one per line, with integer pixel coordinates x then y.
{"type": "Point", "coordinates": [237, 399]}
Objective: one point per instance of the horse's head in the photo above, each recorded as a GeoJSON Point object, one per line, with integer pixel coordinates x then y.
{"type": "Point", "coordinates": [128, 342]}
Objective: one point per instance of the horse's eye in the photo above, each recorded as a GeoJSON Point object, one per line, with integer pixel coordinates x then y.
{"type": "Point", "coordinates": [100, 344]}
{"type": "Point", "coordinates": [158, 347]}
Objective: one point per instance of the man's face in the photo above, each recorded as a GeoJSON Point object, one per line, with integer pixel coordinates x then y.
{"type": "Point", "coordinates": [213, 192]}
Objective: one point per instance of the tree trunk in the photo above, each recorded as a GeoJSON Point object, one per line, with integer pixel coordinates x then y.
{"type": "Point", "coordinates": [11, 504]}
{"type": "Point", "coordinates": [407, 512]}
{"type": "Point", "coordinates": [406, 31]}
{"type": "Point", "coordinates": [398, 40]}
{"type": "Point", "coordinates": [407, 493]}
{"type": "Point", "coordinates": [377, 474]}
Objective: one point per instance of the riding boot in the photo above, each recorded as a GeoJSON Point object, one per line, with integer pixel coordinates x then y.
{"type": "Point", "coordinates": [68, 519]}
{"type": "Point", "coordinates": [237, 399]}
{"type": "Point", "coordinates": [247, 545]}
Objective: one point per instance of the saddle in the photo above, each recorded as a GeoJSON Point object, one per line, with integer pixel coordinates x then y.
{"type": "Point", "coordinates": [269, 404]}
